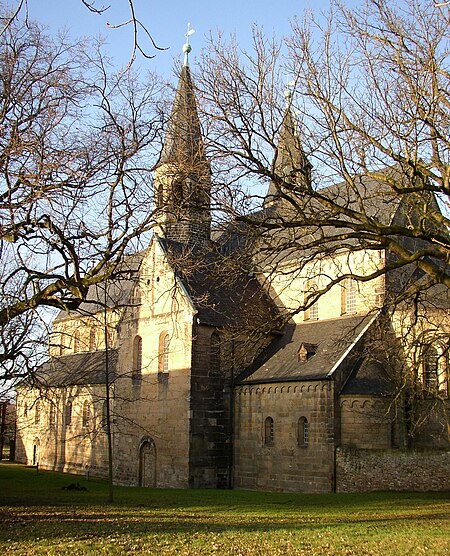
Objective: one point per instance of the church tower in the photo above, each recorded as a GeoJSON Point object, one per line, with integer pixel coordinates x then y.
{"type": "Point", "coordinates": [291, 164]}
{"type": "Point", "coordinates": [183, 176]}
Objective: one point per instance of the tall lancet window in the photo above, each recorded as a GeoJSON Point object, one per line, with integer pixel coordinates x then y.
{"type": "Point", "coordinates": [137, 358]}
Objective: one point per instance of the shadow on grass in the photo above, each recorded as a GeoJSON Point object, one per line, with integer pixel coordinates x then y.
{"type": "Point", "coordinates": [35, 506]}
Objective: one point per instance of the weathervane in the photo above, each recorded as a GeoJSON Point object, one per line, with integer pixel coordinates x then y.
{"type": "Point", "coordinates": [187, 47]}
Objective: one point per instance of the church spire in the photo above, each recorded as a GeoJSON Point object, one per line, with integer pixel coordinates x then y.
{"type": "Point", "coordinates": [183, 176]}
{"type": "Point", "coordinates": [290, 164]}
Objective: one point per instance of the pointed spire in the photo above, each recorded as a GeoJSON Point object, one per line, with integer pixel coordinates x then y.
{"type": "Point", "coordinates": [183, 175]}
{"type": "Point", "coordinates": [291, 163]}
{"type": "Point", "coordinates": [183, 144]}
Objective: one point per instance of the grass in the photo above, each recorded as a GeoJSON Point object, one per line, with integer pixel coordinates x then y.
{"type": "Point", "coordinates": [38, 517]}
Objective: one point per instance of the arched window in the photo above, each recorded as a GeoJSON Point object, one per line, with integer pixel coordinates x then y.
{"type": "Point", "coordinates": [349, 290]}
{"type": "Point", "coordinates": [86, 413]}
{"type": "Point", "coordinates": [312, 313]}
{"type": "Point", "coordinates": [68, 414]}
{"type": "Point", "coordinates": [76, 341]}
{"type": "Point", "coordinates": [92, 342]}
{"type": "Point", "coordinates": [214, 353]}
{"type": "Point", "coordinates": [431, 367]}
{"type": "Point", "coordinates": [37, 412]}
{"type": "Point", "coordinates": [25, 410]}
{"type": "Point", "coordinates": [268, 431]}
{"type": "Point", "coordinates": [163, 352]}
{"type": "Point", "coordinates": [52, 416]}
{"type": "Point", "coordinates": [303, 432]}
{"type": "Point", "coordinates": [137, 358]}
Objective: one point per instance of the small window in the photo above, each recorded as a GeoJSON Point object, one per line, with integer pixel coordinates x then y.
{"type": "Point", "coordinates": [349, 291]}
{"type": "Point", "coordinates": [92, 342]}
{"type": "Point", "coordinates": [163, 352]}
{"type": "Point", "coordinates": [214, 354]}
{"type": "Point", "coordinates": [37, 413]}
{"type": "Point", "coordinates": [136, 296]}
{"type": "Point", "coordinates": [431, 367]}
{"type": "Point", "coordinates": [76, 341]}
{"type": "Point", "coordinates": [86, 414]}
{"type": "Point", "coordinates": [137, 358]}
{"type": "Point", "coordinates": [311, 288]}
{"type": "Point", "coordinates": [303, 432]}
{"type": "Point", "coordinates": [25, 410]}
{"type": "Point", "coordinates": [68, 413]}
{"type": "Point", "coordinates": [52, 416]}
{"type": "Point", "coordinates": [268, 431]}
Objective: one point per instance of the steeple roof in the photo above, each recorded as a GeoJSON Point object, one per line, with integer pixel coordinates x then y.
{"type": "Point", "coordinates": [291, 163]}
{"type": "Point", "coordinates": [183, 145]}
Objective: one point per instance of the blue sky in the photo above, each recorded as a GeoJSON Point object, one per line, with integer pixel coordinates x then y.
{"type": "Point", "coordinates": [167, 21]}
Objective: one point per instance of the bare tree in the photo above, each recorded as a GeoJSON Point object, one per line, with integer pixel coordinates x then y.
{"type": "Point", "coordinates": [100, 9]}
{"type": "Point", "coordinates": [76, 152]}
{"type": "Point", "coordinates": [357, 155]}
{"type": "Point", "coordinates": [368, 109]}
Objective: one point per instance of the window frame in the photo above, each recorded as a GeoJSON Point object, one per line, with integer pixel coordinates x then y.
{"type": "Point", "coordinates": [68, 413]}
{"type": "Point", "coordinates": [303, 432]}
{"type": "Point", "coordinates": [137, 358]}
{"type": "Point", "coordinates": [269, 431]}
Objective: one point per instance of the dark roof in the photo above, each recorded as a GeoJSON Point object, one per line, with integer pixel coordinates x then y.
{"type": "Point", "coordinates": [224, 294]}
{"type": "Point", "coordinates": [183, 144]}
{"type": "Point", "coordinates": [285, 229]}
{"type": "Point", "coordinates": [118, 290]}
{"type": "Point", "coordinates": [369, 378]}
{"type": "Point", "coordinates": [331, 338]}
{"type": "Point", "coordinates": [291, 163]}
{"type": "Point", "coordinates": [77, 369]}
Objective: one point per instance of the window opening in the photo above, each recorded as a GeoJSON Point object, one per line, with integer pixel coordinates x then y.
{"type": "Point", "coordinates": [268, 431]}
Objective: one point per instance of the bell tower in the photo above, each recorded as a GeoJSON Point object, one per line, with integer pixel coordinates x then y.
{"type": "Point", "coordinates": [183, 177]}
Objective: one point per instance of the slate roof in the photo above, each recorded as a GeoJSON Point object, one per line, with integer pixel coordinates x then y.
{"type": "Point", "coordinates": [77, 369]}
{"type": "Point", "coordinates": [118, 290]}
{"type": "Point", "coordinates": [332, 339]}
{"type": "Point", "coordinates": [369, 378]}
{"type": "Point", "coordinates": [370, 195]}
{"type": "Point", "coordinates": [223, 293]}
{"type": "Point", "coordinates": [183, 144]}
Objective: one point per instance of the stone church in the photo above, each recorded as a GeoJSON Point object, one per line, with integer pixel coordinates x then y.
{"type": "Point", "coordinates": [210, 375]}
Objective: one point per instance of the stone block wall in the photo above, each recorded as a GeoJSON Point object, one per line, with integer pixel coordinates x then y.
{"type": "Point", "coordinates": [365, 422]}
{"type": "Point", "coordinates": [359, 470]}
{"type": "Point", "coordinates": [286, 464]}
{"type": "Point", "coordinates": [210, 443]}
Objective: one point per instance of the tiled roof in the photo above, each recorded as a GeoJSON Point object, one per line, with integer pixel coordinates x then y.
{"type": "Point", "coordinates": [183, 144]}
{"type": "Point", "coordinates": [368, 378]}
{"type": "Point", "coordinates": [332, 339]}
{"type": "Point", "coordinates": [223, 293]}
{"type": "Point", "coordinates": [77, 369]}
{"type": "Point", "coordinates": [118, 290]}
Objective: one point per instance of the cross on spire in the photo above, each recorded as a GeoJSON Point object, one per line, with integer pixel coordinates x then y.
{"type": "Point", "coordinates": [186, 46]}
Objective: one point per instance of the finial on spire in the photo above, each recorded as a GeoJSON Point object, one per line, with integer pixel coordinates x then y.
{"type": "Point", "coordinates": [288, 91]}
{"type": "Point", "coordinates": [187, 47]}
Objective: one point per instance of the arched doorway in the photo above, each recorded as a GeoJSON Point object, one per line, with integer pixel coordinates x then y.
{"type": "Point", "coordinates": [147, 463]}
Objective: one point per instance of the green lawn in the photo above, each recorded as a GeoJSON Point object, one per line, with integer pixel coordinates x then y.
{"type": "Point", "coordinates": [38, 517]}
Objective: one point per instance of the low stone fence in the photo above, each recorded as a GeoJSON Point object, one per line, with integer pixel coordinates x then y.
{"type": "Point", "coordinates": [359, 470]}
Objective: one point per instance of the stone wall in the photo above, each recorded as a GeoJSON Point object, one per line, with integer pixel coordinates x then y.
{"type": "Point", "coordinates": [359, 470]}
{"type": "Point", "coordinates": [287, 464]}
{"type": "Point", "coordinates": [210, 446]}
{"type": "Point", "coordinates": [365, 422]}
